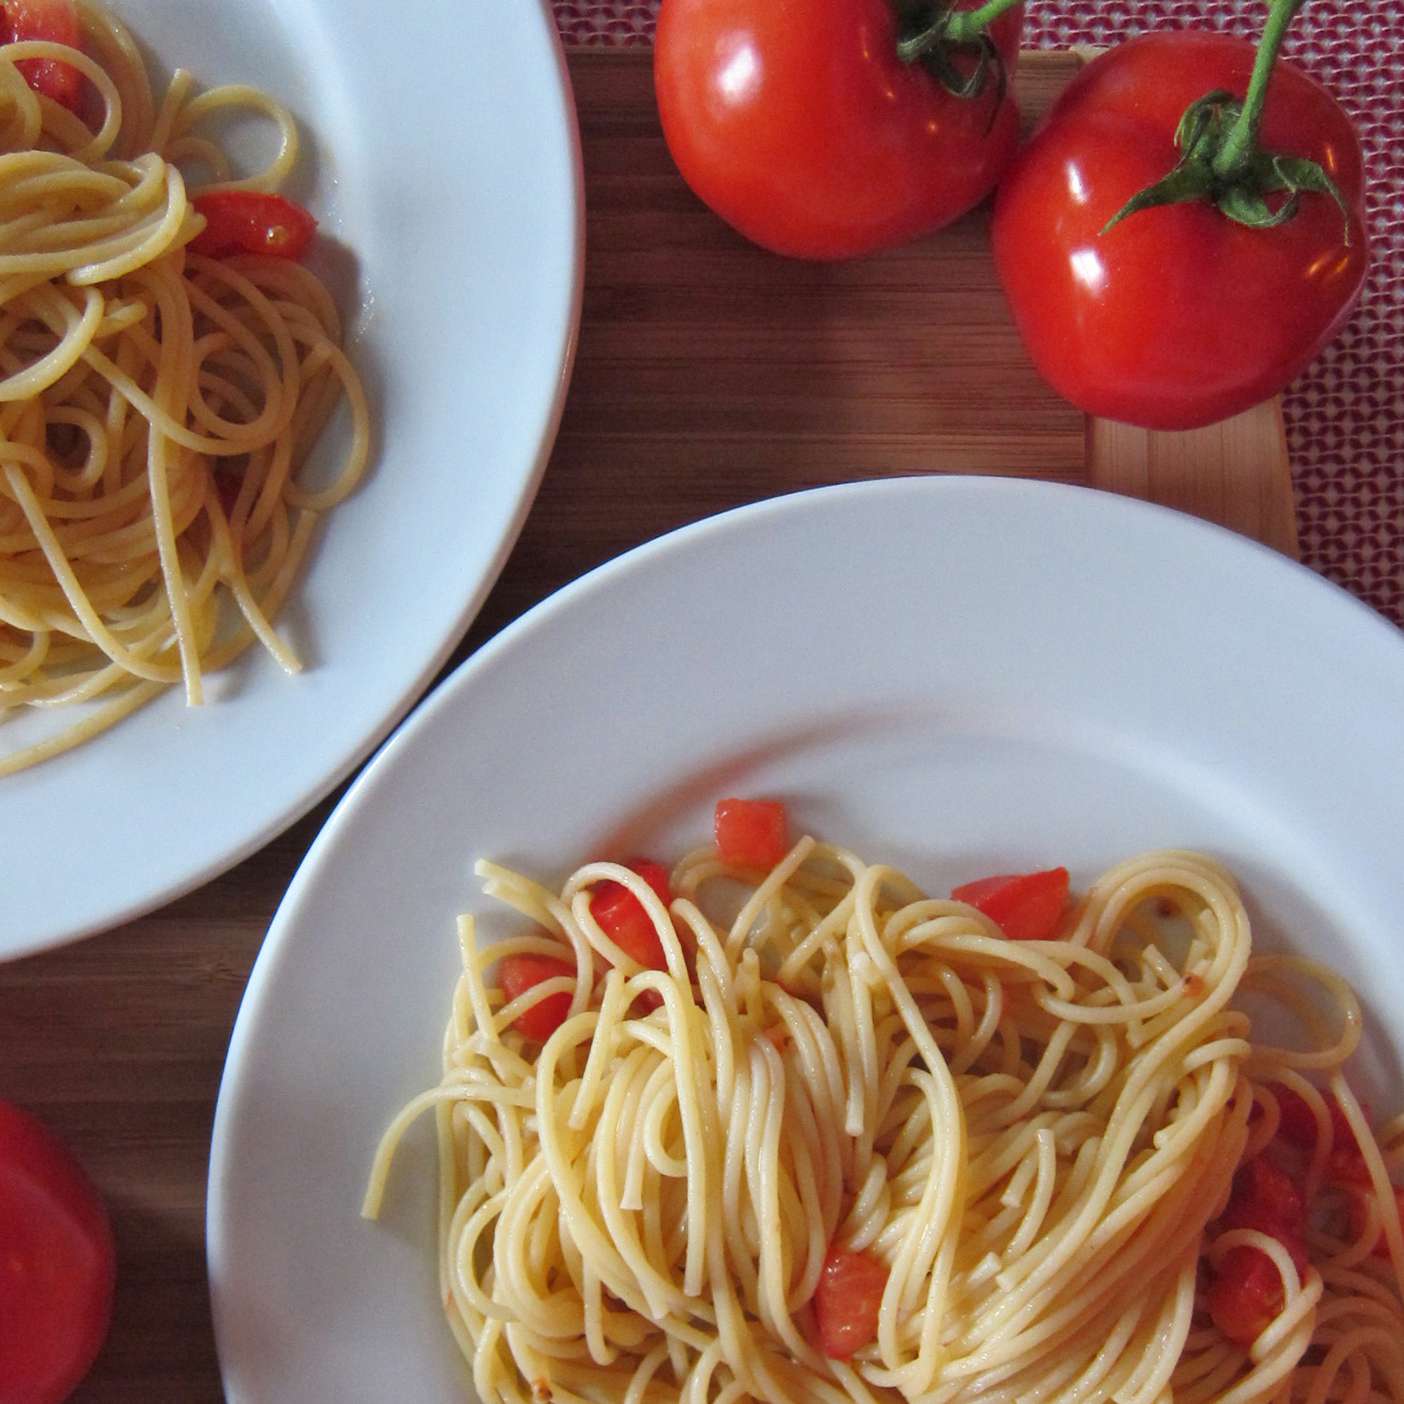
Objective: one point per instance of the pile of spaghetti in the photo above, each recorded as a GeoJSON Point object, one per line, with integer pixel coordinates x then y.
{"type": "Point", "coordinates": [157, 402]}
{"type": "Point", "coordinates": [853, 1143]}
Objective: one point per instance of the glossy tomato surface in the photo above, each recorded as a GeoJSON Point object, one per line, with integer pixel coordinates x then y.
{"type": "Point", "coordinates": [798, 124]}
{"type": "Point", "coordinates": [1177, 316]}
{"type": "Point", "coordinates": [57, 1265]}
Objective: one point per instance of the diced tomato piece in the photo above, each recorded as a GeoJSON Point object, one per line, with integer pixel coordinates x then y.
{"type": "Point", "coordinates": [1266, 1199]}
{"type": "Point", "coordinates": [250, 222]}
{"type": "Point", "coordinates": [752, 833]}
{"type": "Point", "coordinates": [55, 22]}
{"type": "Point", "coordinates": [1246, 1295]}
{"type": "Point", "coordinates": [1346, 1166]}
{"type": "Point", "coordinates": [1298, 1124]}
{"type": "Point", "coordinates": [847, 1300]}
{"type": "Point", "coordinates": [1251, 1216]}
{"type": "Point", "coordinates": [1357, 1220]}
{"type": "Point", "coordinates": [1025, 906]}
{"type": "Point", "coordinates": [622, 917]}
{"type": "Point", "coordinates": [519, 973]}
{"type": "Point", "coordinates": [1267, 1190]}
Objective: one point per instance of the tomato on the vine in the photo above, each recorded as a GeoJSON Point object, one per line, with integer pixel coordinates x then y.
{"type": "Point", "coordinates": [1176, 316]}
{"type": "Point", "coordinates": [57, 1264]}
{"type": "Point", "coordinates": [801, 126]}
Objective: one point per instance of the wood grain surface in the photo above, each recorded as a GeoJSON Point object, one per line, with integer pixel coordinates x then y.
{"type": "Point", "coordinates": [709, 374]}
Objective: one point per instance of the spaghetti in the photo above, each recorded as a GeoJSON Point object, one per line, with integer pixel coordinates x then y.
{"type": "Point", "coordinates": [157, 407]}
{"type": "Point", "coordinates": [1041, 1145]}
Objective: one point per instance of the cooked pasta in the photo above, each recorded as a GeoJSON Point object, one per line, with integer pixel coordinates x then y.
{"type": "Point", "coordinates": [157, 406]}
{"type": "Point", "coordinates": [1038, 1145]}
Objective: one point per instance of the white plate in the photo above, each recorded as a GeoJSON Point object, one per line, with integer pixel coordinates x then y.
{"type": "Point", "coordinates": [956, 675]}
{"type": "Point", "coordinates": [443, 163]}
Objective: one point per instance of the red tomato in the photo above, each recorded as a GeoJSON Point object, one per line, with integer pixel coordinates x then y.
{"type": "Point", "coordinates": [1177, 316]}
{"type": "Point", "coordinates": [57, 1264]}
{"type": "Point", "coordinates": [1345, 1165]}
{"type": "Point", "coordinates": [1356, 1205]}
{"type": "Point", "coordinates": [751, 833]}
{"type": "Point", "coordinates": [1265, 1198]}
{"type": "Point", "coordinates": [1026, 906]}
{"type": "Point", "coordinates": [519, 973]}
{"type": "Point", "coordinates": [1269, 1189]}
{"type": "Point", "coordinates": [800, 126]}
{"type": "Point", "coordinates": [55, 21]}
{"type": "Point", "coordinates": [248, 222]}
{"type": "Point", "coordinates": [1297, 1122]}
{"type": "Point", "coordinates": [622, 918]}
{"type": "Point", "coordinates": [846, 1302]}
{"type": "Point", "coordinates": [1246, 1295]}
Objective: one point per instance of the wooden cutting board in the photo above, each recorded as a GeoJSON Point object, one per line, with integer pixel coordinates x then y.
{"type": "Point", "coordinates": [711, 373]}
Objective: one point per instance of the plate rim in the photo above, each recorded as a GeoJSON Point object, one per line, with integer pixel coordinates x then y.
{"type": "Point", "coordinates": [414, 690]}
{"type": "Point", "coordinates": [234, 1082]}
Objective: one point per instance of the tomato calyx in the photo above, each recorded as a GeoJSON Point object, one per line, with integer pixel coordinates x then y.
{"type": "Point", "coordinates": [955, 47]}
{"type": "Point", "coordinates": [1221, 160]}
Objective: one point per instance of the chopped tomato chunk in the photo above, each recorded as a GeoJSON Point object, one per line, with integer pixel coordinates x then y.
{"type": "Point", "coordinates": [1246, 1295]}
{"type": "Point", "coordinates": [519, 973]}
{"type": "Point", "coordinates": [752, 833]}
{"type": "Point", "coordinates": [622, 917]}
{"type": "Point", "coordinates": [1266, 1199]}
{"type": "Point", "coordinates": [1025, 906]}
{"type": "Point", "coordinates": [1298, 1124]}
{"type": "Point", "coordinates": [1268, 1190]}
{"type": "Point", "coordinates": [1357, 1220]}
{"type": "Point", "coordinates": [847, 1300]}
{"type": "Point", "coordinates": [1346, 1166]}
{"type": "Point", "coordinates": [250, 222]}
{"type": "Point", "coordinates": [56, 22]}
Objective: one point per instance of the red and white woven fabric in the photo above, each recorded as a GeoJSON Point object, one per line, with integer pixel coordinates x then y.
{"type": "Point", "coordinates": [1345, 416]}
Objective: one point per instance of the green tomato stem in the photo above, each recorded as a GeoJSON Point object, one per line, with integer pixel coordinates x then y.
{"type": "Point", "coordinates": [1240, 145]}
{"type": "Point", "coordinates": [954, 27]}
{"type": "Point", "coordinates": [966, 26]}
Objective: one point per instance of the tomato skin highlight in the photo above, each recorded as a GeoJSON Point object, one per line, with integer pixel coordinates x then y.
{"type": "Point", "coordinates": [1025, 906]}
{"type": "Point", "coordinates": [518, 973]}
{"type": "Point", "coordinates": [751, 833]}
{"type": "Point", "coordinates": [57, 22]}
{"type": "Point", "coordinates": [846, 1302]}
{"type": "Point", "coordinates": [1177, 317]}
{"type": "Point", "coordinates": [250, 222]}
{"type": "Point", "coordinates": [798, 124]}
{"type": "Point", "coordinates": [57, 1265]}
{"type": "Point", "coordinates": [623, 919]}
